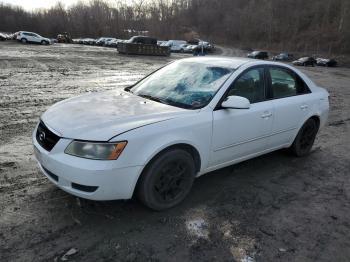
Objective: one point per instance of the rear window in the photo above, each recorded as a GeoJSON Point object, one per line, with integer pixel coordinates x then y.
{"type": "Point", "coordinates": [285, 83]}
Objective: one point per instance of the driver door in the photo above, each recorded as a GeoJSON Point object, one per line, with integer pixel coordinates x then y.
{"type": "Point", "coordinates": [238, 133]}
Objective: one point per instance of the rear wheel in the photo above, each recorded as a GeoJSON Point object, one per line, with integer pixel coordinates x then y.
{"type": "Point", "coordinates": [305, 139]}
{"type": "Point", "coordinates": [167, 180]}
{"type": "Point", "coordinates": [24, 41]}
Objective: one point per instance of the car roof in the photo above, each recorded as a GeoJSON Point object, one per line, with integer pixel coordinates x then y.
{"type": "Point", "coordinates": [231, 62]}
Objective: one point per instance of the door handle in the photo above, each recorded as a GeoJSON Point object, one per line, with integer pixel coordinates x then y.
{"type": "Point", "coordinates": [266, 115]}
{"type": "Point", "coordinates": [303, 107]}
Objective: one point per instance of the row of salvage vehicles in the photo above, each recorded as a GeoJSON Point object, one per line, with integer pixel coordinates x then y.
{"type": "Point", "coordinates": [287, 57]}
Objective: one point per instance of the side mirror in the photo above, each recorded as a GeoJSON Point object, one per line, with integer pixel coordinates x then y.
{"type": "Point", "coordinates": [236, 102]}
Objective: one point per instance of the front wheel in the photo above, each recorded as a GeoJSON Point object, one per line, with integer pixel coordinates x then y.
{"type": "Point", "coordinates": [44, 42]}
{"type": "Point", "coordinates": [305, 139]}
{"type": "Point", "coordinates": [167, 180]}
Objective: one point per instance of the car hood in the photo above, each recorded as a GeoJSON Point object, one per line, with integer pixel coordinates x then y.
{"type": "Point", "coordinates": [101, 116]}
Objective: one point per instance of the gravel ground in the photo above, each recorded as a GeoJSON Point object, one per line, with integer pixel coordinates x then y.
{"type": "Point", "coordinates": [272, 208]}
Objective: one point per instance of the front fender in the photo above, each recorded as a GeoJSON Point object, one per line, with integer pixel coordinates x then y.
{"type": "Point", "coordinates": [146, 142]}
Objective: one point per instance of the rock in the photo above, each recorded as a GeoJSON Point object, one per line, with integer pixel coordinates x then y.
{"type": "Point", "coordinates": [282, 249]}
{"type": "Point", "coordinates": [69, 253]}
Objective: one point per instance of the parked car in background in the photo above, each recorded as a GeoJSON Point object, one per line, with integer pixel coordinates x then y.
{"type": "Point", "coordinates": [186, 48]}
{"type": "Point", "coordinates": [89, 41]}
{"type": "Point", "coordinates": [102, 41]}
{"type": "Point", "coordinates": [189, 118]}
{"type": "Point", "coordinates": [326, 62]}
{"type": "Point", "coordinates": [3, 37]}
{"type": "Point", "coordinates": [161, 42]}
{"type": "Point", "coordinates": [145, 40]}
{"type": "Point", "coordinates": [175, 45]}
{"type": "Point", "coordinates": [207, 46]}
{"type": "Point", "coordinates": [30, 37]}
{"type": "Point", "coordinates": [283, 57]}
{"type": "Point", "coordinates": [305, 61]}
{"type": "Point", "coordinates": [114, 43]}
{"type": "Point", "coordinates": [258, 55]}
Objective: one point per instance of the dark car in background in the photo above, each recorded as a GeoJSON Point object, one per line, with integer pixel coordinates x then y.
{"type": "Point", "coordinates": [283, 57]}
{"type": "Point", "coordinates": [145, 40]}
{"type": "Point", "coordinates": [326, 62]}
{"type": "Point", "coordinates": [305, 61]}
{"type": "Point", "coordinates": [258, 55]}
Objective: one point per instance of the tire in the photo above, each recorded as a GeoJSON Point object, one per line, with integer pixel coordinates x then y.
{"type": "Point", "coordinates": [167, 180]}
{"type": "Point", "coordinates": [24, 41]}
{"type": "Point", "coordinates": [305, 139]}
{"type": "Point", "coordinates": [43, 42]}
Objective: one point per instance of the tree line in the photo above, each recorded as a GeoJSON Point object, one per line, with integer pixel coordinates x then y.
{"type": "Point", "coordinates": [296, 25]}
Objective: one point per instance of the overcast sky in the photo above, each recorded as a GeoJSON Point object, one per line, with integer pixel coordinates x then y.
{"type": "Point", "coordinates": [34, 4]}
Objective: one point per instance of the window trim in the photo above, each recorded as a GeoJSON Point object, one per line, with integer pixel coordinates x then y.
{"type": "Point", "coordinates": [295, 75]}
{"type": "Point", "coordinates": [224, 96]}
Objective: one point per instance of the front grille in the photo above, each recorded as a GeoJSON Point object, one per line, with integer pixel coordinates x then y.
{"type": "Point", "coordinates": [88, 189]}
{"type": "Point", "coordinates": [50, 174]}
{"type": "Point", "coordinates": [45, 137]}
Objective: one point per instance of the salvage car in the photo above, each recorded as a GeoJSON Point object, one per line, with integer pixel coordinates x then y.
{"type": "Point", "coordinates": [30, 37]}
{"type": "Point", "coordinates": [175, 45]}
{"type": "Point", "coordinates": [145, 40]}
{"type": "Point", "coordinates": [326, 62]}
{"type": "Point", "coordinates": [186, 48]}
{"type": "Point", "coordinates": [89, 41]}
{"type": "Point", "coordinates": [189, 118]}
{"type": "Point", "coordinates": [102, 41]}
{"type": "Point", "coordinates": [258, 55]}
{"type": "Point", "coordinates": [305, 61]}
{"type": "Point", "coordinates": [283, 57]}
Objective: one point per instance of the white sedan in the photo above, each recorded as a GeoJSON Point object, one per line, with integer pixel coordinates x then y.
{"type": "Point", "coordinates": [186, 119]}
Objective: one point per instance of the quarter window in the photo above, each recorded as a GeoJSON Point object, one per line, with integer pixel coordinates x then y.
{"type": "Point", "coordinates": [285, 83]}
{"type": "Point", "coordinates": [250, 85]}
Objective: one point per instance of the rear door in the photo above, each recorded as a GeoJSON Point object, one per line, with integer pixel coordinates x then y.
{"type": "Point", "coordinates": [291, 100]}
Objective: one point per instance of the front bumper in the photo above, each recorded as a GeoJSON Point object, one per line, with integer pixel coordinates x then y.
{"type": "Point", "coordinates": [90, 179]}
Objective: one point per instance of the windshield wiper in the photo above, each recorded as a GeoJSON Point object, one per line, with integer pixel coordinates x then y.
{"type": "Point", "coordinates": [166, 101]}
{"type": "Point", "coordinates": [153, 98]}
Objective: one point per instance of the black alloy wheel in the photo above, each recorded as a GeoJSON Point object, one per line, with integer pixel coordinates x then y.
{"type": "Point", "coordinates": [305, 139]}
{"type": "Point", "coordinates": [167, 180]}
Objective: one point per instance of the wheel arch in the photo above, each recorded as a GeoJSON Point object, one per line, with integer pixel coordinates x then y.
{"type": "Point", "coordinates": [314, 117]}
{"type": "Point", "coordinates": [192, 150]}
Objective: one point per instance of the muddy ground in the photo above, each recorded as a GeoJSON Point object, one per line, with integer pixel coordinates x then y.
{"type": "Point", "coordinates": [273, 208]}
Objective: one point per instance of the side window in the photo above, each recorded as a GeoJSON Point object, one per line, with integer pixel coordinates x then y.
{"type": "Point", "coordinates": [250, 85]}
{"type": "Point", "coordinates": [285, 83]}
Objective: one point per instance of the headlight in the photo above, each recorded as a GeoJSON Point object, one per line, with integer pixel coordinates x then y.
{"type": "Point", "coordinates": [96, 150]}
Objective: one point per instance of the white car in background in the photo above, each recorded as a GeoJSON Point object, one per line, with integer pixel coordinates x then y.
{"type": "Point", "coordinates": [30, 37]}
{"type": "Point", "coordinates": [175, 45]}
{"type": "Point", "coordinates": [186, 119]}
{"type": "Point", "coordinates": [186, 48]}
